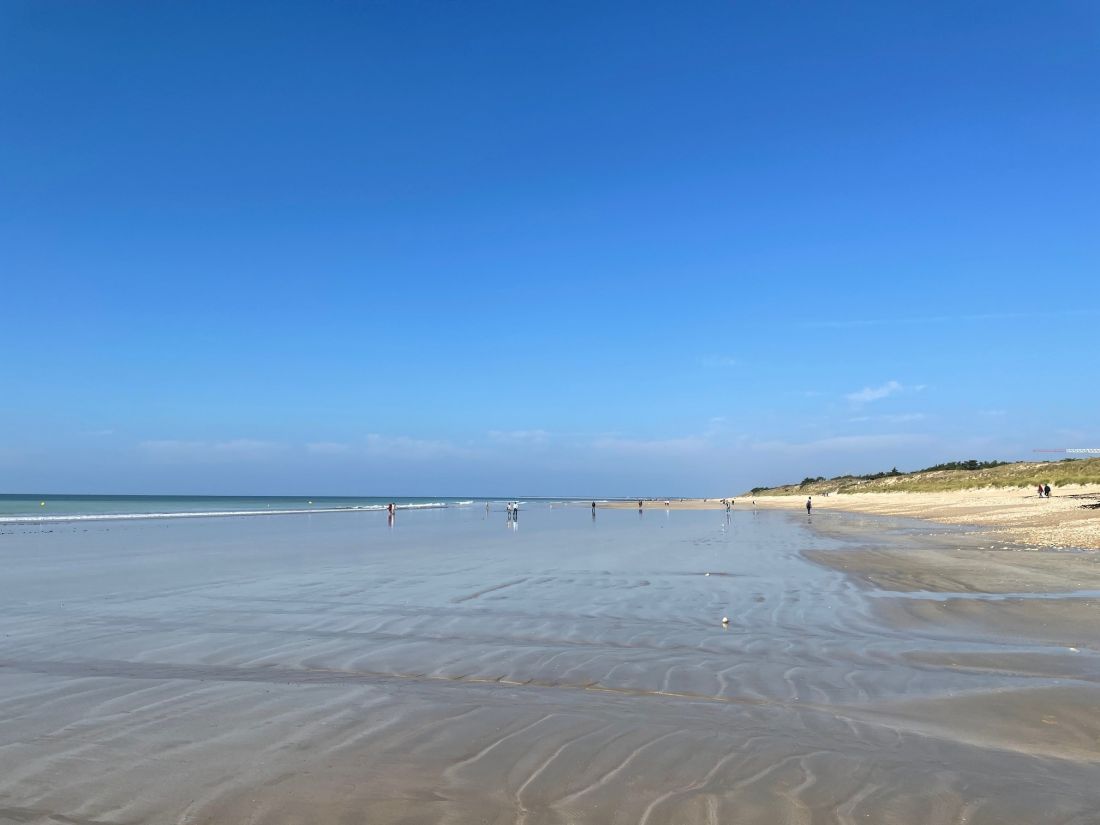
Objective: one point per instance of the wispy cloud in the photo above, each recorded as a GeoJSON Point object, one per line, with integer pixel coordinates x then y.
{"type": "Point", "coordinates": [868, 394]}
{"type": "Point", "coordinates": [239, 449]}
{"type": "Point", "coordinates": [414, 449]}
{"type": "Point", "coordinates": [845, 443]}
{"type": "Point", "coordinates": [329, 448]}
{"type": "Point", "coordinates": [850, 323]}
{"type": "Point", "coordinates": [531, 438]}
{"type": "Point", "coordinates": [652, 447]}
{"type": "Point", "coordinates": [895, 418]}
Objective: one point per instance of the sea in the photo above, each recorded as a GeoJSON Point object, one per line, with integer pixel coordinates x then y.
{"type": "Point", "coordinates": [30, 508]}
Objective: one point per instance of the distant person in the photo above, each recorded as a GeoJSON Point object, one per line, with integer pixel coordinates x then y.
{"type": "Point", "coordinates": [809, 504]}
{"type": "Point", "coordinates": [1046, 490]}
{"type": "Point", "coordinates": [486, 508]}
{"type": "Point", "coordinates": [639, 504]}
{"type": "Point", "coordinates": [1040, 489]}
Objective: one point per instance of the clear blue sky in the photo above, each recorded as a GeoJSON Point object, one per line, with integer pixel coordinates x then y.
{"type": "Point", "coordinates": [502, 248]}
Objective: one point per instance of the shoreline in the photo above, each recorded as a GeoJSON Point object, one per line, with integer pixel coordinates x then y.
{"type": "Point", "coordinates": [1012, 514]}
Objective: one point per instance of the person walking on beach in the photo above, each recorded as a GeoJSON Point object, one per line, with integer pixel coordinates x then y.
{"type": "Point", "coordinates": [809, 504]}
{"type": "Point", "coordinates": [1046, 490]}
{"type": "Point", "coordinates": [1040, 489]}
{"type": "Point", "coordinates": [639, 504]}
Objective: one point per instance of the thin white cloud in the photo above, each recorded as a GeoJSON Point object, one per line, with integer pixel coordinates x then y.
{"type": "Point", "coordinates": [850, 323]}
{"type": "Point", "coordinates": [652, 447]}
{"type": "Point", "coordinates": [897, 418]}
{"type": "Point", "coordinates": [181, 451]}
{"type": "Point", "coordinates": [869, 394]}
{"type": "Point", "coordinates": [533, 438]}
{"type": "Point", "coordinates": [841, 443]}
{"type": "Point", "coordinates": [414, 449]}
{"type": "Point", "coordinates": [329, 448]}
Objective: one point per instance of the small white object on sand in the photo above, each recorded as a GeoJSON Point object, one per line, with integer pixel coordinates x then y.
{"type": "Point", "coordinates": [725, 620]}
{"type": "Point", "coordinates": [706, 574]}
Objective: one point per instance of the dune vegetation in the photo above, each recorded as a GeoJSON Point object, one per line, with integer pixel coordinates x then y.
{"type": "Point", "coordinates": [956, 475]}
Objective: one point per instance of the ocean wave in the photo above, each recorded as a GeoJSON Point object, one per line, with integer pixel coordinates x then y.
{"type": "Point", "coordinates": [79, 517]}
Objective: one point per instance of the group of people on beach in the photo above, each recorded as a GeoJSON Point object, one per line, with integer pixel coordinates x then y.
{"type": "Point", "coordinates": [1043, 490]}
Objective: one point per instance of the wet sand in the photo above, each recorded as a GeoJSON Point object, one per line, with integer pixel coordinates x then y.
{"type": "Point", "coordinates": [315, 669]}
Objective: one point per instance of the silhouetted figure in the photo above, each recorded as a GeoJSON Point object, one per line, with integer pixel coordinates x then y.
{"type": "Point", "coordinates": [809, 504]}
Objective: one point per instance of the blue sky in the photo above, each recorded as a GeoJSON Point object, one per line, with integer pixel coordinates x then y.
{"type": "Point", "coordinates": [569, 248]}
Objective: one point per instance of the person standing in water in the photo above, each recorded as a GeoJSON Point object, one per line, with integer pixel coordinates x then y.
{"type": "Point", "coordinates": [809, 504]}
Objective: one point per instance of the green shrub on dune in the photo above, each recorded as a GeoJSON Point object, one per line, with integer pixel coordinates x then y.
{"type": "Point", "coordinates": [953, 475]}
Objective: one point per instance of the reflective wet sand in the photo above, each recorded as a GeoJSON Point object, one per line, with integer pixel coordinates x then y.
{"type": "Point", "coordinates": [327, 668]}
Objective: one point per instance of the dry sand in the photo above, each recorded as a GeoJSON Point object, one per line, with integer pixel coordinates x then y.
{"type": "Point", "coordinates": [1012, 514]}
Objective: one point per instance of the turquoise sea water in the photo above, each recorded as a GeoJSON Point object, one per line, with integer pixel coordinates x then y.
{"type": "Point", "coordinates": [25, 508]}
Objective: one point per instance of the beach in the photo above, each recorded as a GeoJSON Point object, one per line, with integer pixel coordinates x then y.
{"type": "Point", "coordinates": [1009, 513]}
{"type": "Point", "coordinates": [459, 667]}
